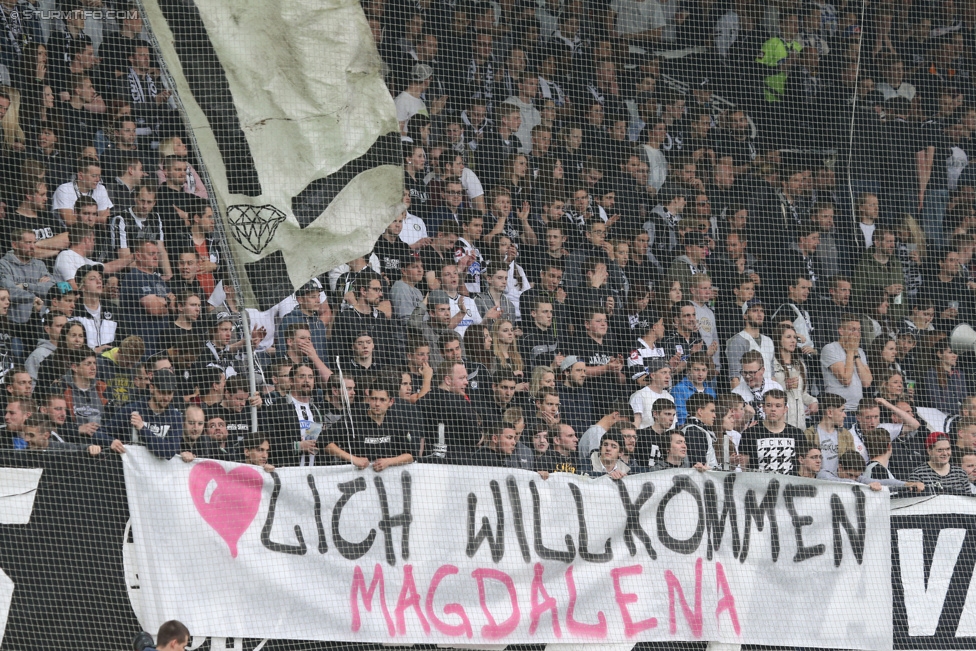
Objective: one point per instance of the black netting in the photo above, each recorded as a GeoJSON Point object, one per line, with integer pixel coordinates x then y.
{"type": "Point", "coordinates": [488, 323]}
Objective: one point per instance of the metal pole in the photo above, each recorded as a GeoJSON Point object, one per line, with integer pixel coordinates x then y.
{"type": "Point", "coordinates": [251, 377]}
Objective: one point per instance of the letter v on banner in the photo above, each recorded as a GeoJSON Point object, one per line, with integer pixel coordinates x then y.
{"type": "Point", "coordinates": [296, 129]}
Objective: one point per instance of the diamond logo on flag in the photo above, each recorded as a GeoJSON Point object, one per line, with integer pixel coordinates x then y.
{"type": "Point", "coordinates": [254, 226]}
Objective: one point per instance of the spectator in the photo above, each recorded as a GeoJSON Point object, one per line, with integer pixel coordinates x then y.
{"type": "Point", "coordinates": [16, 414]}
{"type": "Point", "coordinates": [405, 295]}
{"type": "Point", "coordinates": [53, 367]}
{"type": "Point", "coordinates": [576, 402]}
{"type": "Point", "coordinates": [257, 448]}
{"type": "Point", "coordinates": [448, 405]}
{"type": "Point", "coordinates": [498, 449]}
{"type": "Point", "coordinates": [845, 365]}
{"type": "Point", "coordinates": [658, 374]}
{"type": "Point", "coordinates": [84, 393]}
{"type": "Point", "coordinates": [755, 384]}
{"type": "Point", "coordinates": [938, 475]}
{"type": "Point", "coordinates": [24, 276]}
{"type": "Point", "coordinates": [676, 453]}
{"type": "Point", "coordinates": [99, 322]}
{"type": "Point", "coordinates": [826, 318]}
{"type": "Point", "coordinates": [606, 460]}
{"type": "Point", "coordinates": [750, 338]}
{"type": "Point", "coordinates": [52, 324]}
{"type": "Point", "coordinates": [155, 422]}
{"type": "Point", "coordinates": [773, 444]}
{"type": "Point", "coordinates": [694, 382]}
{"type": "Point", "coordinates": [314, 313]}
{"type": "Point", "coordinates": [372, 439]}
{"type": "Point", "coordinates": [561, 455]}
{"type": "Point", "coordinates": [810, 460]}
{"type": "Point", "coordinates": [790, 372]}
{"type": "Point", "coordinates": [830, 435]}
{"type": "Point", "coordinates": [492, 405]}
{"type": "Point", "coordinates": [39, 436]}
{"type": "Point", "coordinates": [945, 385]}
{"type": "Point", "coordinates": [699, 436]}
{"type": "Point", "coordinates": [146, 299]}
{"type": "Point", "coordinates": [87, 184]}
{"type": "Point", "coordinates": [539, 345]}
{"type": "Point", "coordinates": [878, 444]}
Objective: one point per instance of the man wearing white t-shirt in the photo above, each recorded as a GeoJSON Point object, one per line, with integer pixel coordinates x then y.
{"type": "Point", "coordinates": [658, 374]}
{"type": "Point", "coordinates": [409, 102]}
{"type": "Point", "coordinates": [88, 184]}
{"type": "Point", "coordinates": [81, 243]}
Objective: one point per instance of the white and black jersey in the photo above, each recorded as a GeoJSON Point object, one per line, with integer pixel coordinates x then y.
{"type": "Point", "coordinates": [100, 324]}
{"type": "Point", "coordinates": [308, 417]}
{"type": "Point", "coordinates": [771, 451]}
{"type": "Point", "coordinates": [127, 225]}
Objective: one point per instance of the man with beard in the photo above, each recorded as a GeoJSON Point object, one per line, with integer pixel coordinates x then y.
{"type": "Point", "coordinates": [293, 423]}
{"type": "Point", "coordinates": [749, 338]}
{"type": "Point", "coordinates": [826, 317]}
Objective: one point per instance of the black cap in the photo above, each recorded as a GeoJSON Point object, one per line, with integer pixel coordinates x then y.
{"type": "Point", "coordinates": [164, 380]}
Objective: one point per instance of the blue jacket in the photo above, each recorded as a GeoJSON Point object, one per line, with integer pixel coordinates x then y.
{"type": "Point", "coordinates": [162, 435]}
{"type": "Point", "coordinates": [682, 392]}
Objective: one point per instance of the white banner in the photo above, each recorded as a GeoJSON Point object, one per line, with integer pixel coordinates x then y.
{"type": "Point", "coordinates": [451, 555]}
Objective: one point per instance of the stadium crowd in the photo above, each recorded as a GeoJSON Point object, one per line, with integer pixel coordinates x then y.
{"type": "Point", "coordinates": [637, 235]}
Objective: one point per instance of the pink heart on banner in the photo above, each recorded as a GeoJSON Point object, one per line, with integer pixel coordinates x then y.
{"type": "Point", "coordinates": [233, 503]}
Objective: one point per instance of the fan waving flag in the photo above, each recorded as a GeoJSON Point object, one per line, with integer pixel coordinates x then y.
{"type": "Point", "coordinates": [296, 129]}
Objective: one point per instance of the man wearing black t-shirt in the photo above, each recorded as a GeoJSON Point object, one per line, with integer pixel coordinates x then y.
{"type": "Point", "coordinates": [392, 252]}
{"type": "Point", "coordinates": [539, 346]}
{"type": "Point", "coordinates": [604, 362]}
{"type": "Point", "coordinates": [685, 339]}
{"type": "Point", "coordinates": [772, 444]}
{"type": "Point", "coordinates": [448, 404]}
{"type": "Point", "coordinates": [374, 439]}
{"type": "Point", "coordinates": [172, 202]}
{"type": "Point", "coordinates": [232, 409]}
{"type": "Point", "coordinates": [497, 451]}
{"type": "Point", "coordinates": [32, 213]}
{"type": "Point", "coordinates": [561, 456]}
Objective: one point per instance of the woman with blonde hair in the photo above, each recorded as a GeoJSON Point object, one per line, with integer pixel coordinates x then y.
{"type": "Point", "coordinates": [174, 146]}
{"type": "Point", "coordinates": [542, 377]}
{"type": "Point", "coordinates": [504, 348]}
{"type": "Point", "coordinates": [13, 136]}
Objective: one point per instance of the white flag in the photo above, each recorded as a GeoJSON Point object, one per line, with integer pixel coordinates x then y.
{"type": "Point", "coordinates": [295, 126]}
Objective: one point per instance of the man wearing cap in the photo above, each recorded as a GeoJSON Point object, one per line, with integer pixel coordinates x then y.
{"type": "Point", "coordinates": [24, 276]}
{"type": "Point", "coordinates": [309, 313]}
{"type": "Point", "coordinates": [410, 102]}
{"type": "Point", "coordinates": [145, 297]}
{"type": "Point", "coordinates": [655, 380]}
{"type": "Point", "coordinates": [750, 338]}
{"type": "Point", "coordinates": [576, 400]}
{"type": "Point", "coordinates": [154, 423]}
{"type": "Point", "coordinates": [100, 326]}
